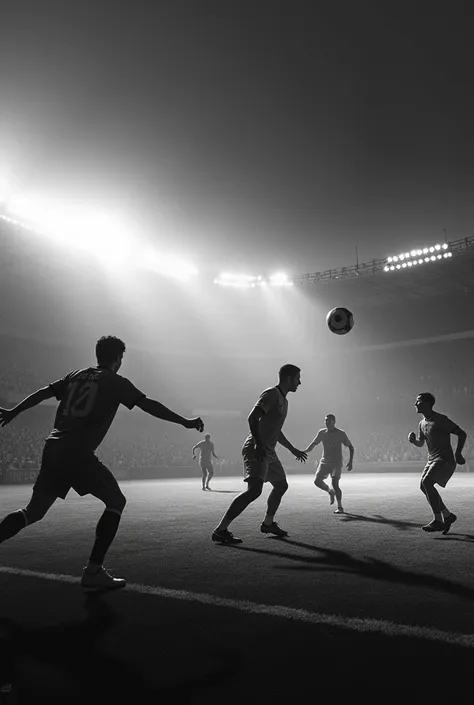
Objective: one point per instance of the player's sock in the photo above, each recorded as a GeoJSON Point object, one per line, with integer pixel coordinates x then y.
{"type": "Point", "coordinates": [446, 513]}
{"type": "Point", "coordinates": [93, 567]}
{"type": "Point", "coordinates": [268, 519]}
{"type": "Point", "coordinates": [104, 535]}
{"type": "Point", "coordinates": [224, 524]}
{"type": "Point", "coordinates": [438, 516]}
{"type": "Point", "coordinates": [12, 524]}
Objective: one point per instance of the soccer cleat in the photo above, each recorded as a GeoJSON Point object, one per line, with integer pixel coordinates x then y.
{"type": "Point", "coordinates": [332, 495]}
{"type": "Point", "coordinates": [225, 536]}
{"type": "Point", "coordinates": [434, 526]}
{"type": "Point", "coordinates": [448, 523]}
{"type": "Point", "coordinates": [101, 580]}
{"type": "Point", "coordinates": [339, 510]}
{"type": "Point", "coordinates": [273, 528]}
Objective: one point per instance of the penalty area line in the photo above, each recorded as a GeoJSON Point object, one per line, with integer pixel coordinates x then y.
{"type": "Point", "coordinates": [368, 625]}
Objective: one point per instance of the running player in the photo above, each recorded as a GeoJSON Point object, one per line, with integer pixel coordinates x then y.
{"type": "Point", "coordinates": [332, 439]}
{"type": "Point", "coordinates": [261, 463]}
{"type": "Point", "coordinates": [436, 430]}
{"type": "Point", "coordinates": [206, 450]}
{"type": "Point", "coordinates": [88, 401]}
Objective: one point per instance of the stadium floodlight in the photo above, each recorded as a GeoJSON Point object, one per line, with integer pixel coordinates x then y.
{"type": "Point", "coordinates": [430, 253]}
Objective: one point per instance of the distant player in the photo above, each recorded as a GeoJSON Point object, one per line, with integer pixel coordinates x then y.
{"type": "Point", "coordinates": [88, 401]}
{"type": "Point", "coordinates": [261, 463]}
{"type": "Point", "coordinates": [206, 450]}
{"type": "Point", "coordinates": [436, 430]}
{"type": "Point", "coordinates": [332, 439]}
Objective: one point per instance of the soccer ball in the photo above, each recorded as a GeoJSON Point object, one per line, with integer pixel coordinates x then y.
{"type": "Point", "coordinates": [340, 321]}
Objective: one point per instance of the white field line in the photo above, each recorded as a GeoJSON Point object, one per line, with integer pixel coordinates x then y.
{"type": "Point", "coordinates": [375, 626]}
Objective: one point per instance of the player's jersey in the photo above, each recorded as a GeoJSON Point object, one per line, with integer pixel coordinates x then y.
{"type": "Point", "coordinates": [88, 401]}
{"type": "Point", "coordinates": [332, 445]}
{"type": "Point", "coordinates": [437, 432]}
{"type": "Point", "coordinates": [206, 449]}
{"type": "Point", "coordinates": [275, 407]}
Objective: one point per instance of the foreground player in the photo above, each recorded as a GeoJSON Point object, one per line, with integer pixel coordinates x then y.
{"type": "Point", "coordinates": [206, 450]}
{"type": "Point", "coordinates": [89, 399]}
{"type": "Point", "coordinates": [436, 430]}
{"type": "Point", "coordinates": [332, 439]}
{"type": "Point", "coordinates": [261, 463]}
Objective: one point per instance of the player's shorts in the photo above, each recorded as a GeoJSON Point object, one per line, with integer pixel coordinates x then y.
{"type": "Point", "coordinates": [207, 466]}
{"type": "Point", "coordinates": [439, 471]}
{"type": "Point", "coordinates": [62, 469]}
{"type": "Point", "coordinates": [269, 469]}
{"type": "Point", "coordinates": [326, 469]}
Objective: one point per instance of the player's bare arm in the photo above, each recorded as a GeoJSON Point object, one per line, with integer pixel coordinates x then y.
{"type": "Point", "coordinates": [194, 450]}
{"type": "Point", "coordinates": [7, 415]}
{"type": "Point", "coordinates": [313, 444]}
{"type": "Point", "coordinates": [300, 455]}
{"type": "Point", "coordinates": [159, 411]}
{"type": "Point", "coordinates": [418, 442]}
{"type": "Point", "coordinates": [462, 435]}
{"type": "Point", "coordinates": [351, 457]}
{"type": "Point", "coordinates": [253, 419]}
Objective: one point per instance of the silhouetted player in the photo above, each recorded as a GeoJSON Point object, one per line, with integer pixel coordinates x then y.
{"type": "Point", "coordinates": [261, 463]}
{"type": "Point", "coordinates": [88, 401]}
{"type": "Point", "coordinates": [206, 451]}
{"type": "Point", "coordinates": [436, 430]}
{"type": "Point", "coordinates": [332, 439]}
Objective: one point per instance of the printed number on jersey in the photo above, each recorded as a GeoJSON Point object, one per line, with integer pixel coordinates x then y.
{"type": "Point", "coordinates": [80, 399]}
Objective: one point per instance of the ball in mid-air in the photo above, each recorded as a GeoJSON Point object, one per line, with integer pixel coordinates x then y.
{"type": "Point", "coordinates": [340, 321]}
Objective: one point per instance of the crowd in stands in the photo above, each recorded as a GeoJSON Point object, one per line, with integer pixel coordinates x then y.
{"type": "Point", "coordinates": [132, 447]}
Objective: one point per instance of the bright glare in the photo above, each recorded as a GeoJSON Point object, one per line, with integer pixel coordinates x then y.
{"type": "Point", "coordinates": [170, 266]}
{"type": "Point", "coordinates": [5, 191]}
{"type": "Point", "coordinates": [100, 233]}
{"type": "Point", "coordinates": [280, 279]}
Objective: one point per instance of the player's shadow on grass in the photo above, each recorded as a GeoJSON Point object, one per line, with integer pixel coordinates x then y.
{"type": "Point", "coordinates": [379, 519]}
{"type": "Point", "coordinates": [67, 660]}
{"type": "Point", "coordinates": [332, 560]}
{"type": "Point", "coordinates": [224, 491]}
{"type": "Point", "coordinates": [456, 537]}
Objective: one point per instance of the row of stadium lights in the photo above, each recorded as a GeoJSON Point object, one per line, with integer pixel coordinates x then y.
{"type": "Point", "coordinates": [415, 257]}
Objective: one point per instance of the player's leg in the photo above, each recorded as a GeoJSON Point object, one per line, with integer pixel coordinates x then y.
{"type": "Point", "coordinates": [280, 486]}
{"type": "Point", "coordinates": [100, 483]}
{"type": "Point", "coordinates": [41, 501]}
{"type": "Point", "coordinates": [203, 476]}
{"type": "Point", "coordinates": [438, 473]}
{"type": "Point", "coordinates": [210, 475]}
{"type": "Point", "coordinates": [241, 502]}
{"type": "Point", "coordinates": [321, 474]}
{"type": "Point", "coordinates": [337, 492]}
{"type": "Point", "coordinates": [255, 473]}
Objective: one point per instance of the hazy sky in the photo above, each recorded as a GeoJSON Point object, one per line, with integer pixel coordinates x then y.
{"type": "Point", "coordinates": [252, 133]}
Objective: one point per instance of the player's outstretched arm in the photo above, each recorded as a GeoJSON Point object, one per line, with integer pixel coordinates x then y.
{"type": "Point", "coordinates": [316, 441]}
{"type": "Point", "coordinates": [159, 411]}
{"type": "Point", "coordinates": [299, 454]}
{"type": "Point", "coordinates": [7, 415]}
